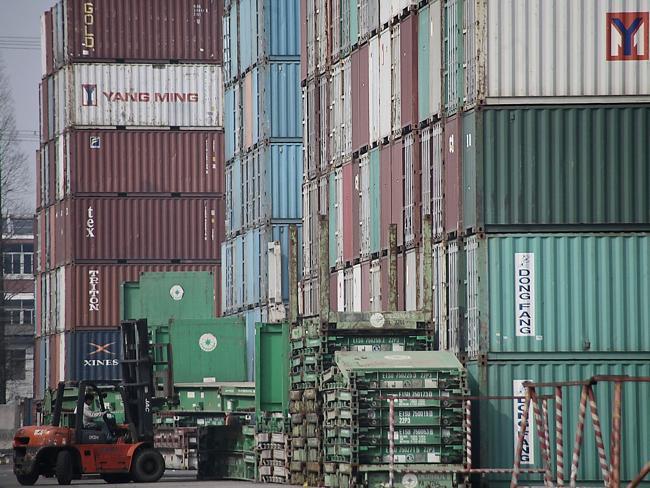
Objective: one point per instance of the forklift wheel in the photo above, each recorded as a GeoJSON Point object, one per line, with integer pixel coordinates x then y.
{"type": "Point", "coordinates": [148, 466]}
{"type": "Point", "coordinates": [27, 479]}
{"type": "Point", "coordinates": [117, 478]}
{"type": "Point", "coordinates": [63, 468]}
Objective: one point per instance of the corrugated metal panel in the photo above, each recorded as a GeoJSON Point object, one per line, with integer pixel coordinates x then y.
{"type": "Point", "coordinates": [429, 61]}
{"type": "Point", "coordinates": [439, 279]}
{"type": "Point", "coordinates": [375, 286]}
{"type": "Point", "coordinates": [234, 50]}
{"type": "Point", "coordinates": [386, 194]}
{"type": "Point", "coordinates": [280, 108]}
{"type": "Point", "coordinates": [94, 355]}
{"type": "Point", "coordinates": [360, 98]}
{"type": "Point", "coordinates": [411, 278]}
{"type": "Point", "coordinates": [322, 35]}
{"type": "Point", "coordinates": [141, 95]}
{"type": "Point", "coordinates": [346, 107]}
{"type": "Point", "coordinates": [497, 422]}
{"type": "Point", "coordinates": [354, 22]}
{"type": "Point", "coordinates": [251, 318]}
{"type": "Point", "coordinates": [365, 205]}
{"type": "Point", "coordinates": [158, 228]}
{"type": "Point", "coordinates": [252, 266]}
{"type": "Point", "coordinates": [311, 41]}
{"type": "Point", "coordinates": [365, 286]}
{"type": "Point", "coordinates": [334, 29]}
{"type": "Point", "coordinates": [368, 17]}
{"type": "Point", "coordinates": [587, 63]}
{"type": "Point", "coordinates": [375, 200]}
{"type": "Point", "coordinates": [324, 124]}
{"type": "Point", "coordinates": [93, 300]}
{"type": "Point", "coordinates": [578, 290]}
{"type": "Point", "coordinates": [229, 122]}
{"type": "Point", "coordinates": [409, 76]}
{"type": "Point", "coordinates": [411, 175]}
{"type": "Point", "coordinates": [397, 190]}
{"type": "Point", "coordinates": [46, 44]}
{"type": "Point", "coordinates": [248, 34]}
{"type": "Point", "coordinates": [396, 79]}
{"type": "Point", "coordinates": [349, 218]}
{"type": "Point", "coordinates": [374, 101]}
{"type": "Point", "coordinates": [453, 175]}
{"type": "Point", "coordinates": [109, 161]}
{"type": "Point", "coordinates": [453, 55]}
{"type": "Point", "coordinates": [311, 129]}
{"type": "Point", "coordinates": [280, 36]}
{"type": "Point", "coordinates": [554, 166]}
{"type": "Point", "coordinates": [384, 12]}
{"type": "Point", "coordinates": [385, 84]}
{"type": "Point", "coordinates": [336, 113]}
{"type": "Point", "coordinates": [456, 296]}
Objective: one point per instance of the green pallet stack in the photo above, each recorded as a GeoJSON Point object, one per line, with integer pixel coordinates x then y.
{"type": "Point", "coordinates": [428, 431]}
{"type": "Point", "coordinates": [227, 453]}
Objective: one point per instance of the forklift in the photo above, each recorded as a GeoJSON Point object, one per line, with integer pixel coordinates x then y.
{"type": "Point", "coordinates": [119, 453]}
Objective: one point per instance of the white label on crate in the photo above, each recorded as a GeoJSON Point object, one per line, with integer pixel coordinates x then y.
{"type": "Point", "coordinates": [202, 394]}
{"type": "Point", "coordinates": [365, 348]}
{"type": "Point", "coordinates": [429, 383]}
{"type": "Point", "coordinates": [190, 394]}
{"type": "Point", "coordinates": [410, 480]}
{"type": "Point", "coordinates": [209, 379]}
{"type": "Point", "coordinates": [432, 457]}
{"type": "Point", "coordinates": [398, 347]}
{"type": "Point", "coordinates": [525, 294]}
{"type": "Point", "coordinates": [528, 451]}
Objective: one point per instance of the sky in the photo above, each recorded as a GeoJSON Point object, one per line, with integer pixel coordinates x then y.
{"type": "Point", "coordinates": [20, 33]}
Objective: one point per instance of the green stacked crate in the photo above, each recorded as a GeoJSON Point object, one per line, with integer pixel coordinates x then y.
{"type": "Point", "coordinates": [227, 452]}
{"type": "Point", "coordinates": [427, 428]}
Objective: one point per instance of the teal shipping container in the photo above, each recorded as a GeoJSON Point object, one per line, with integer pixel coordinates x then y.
{"type": "Point", "coordinates": [272, 356]}
{"type": "Point", "coordinates": [429, 60]}
{"type": "Point", "coordinates": [260, 30]}
{"type": "Point", "coordinates": [571, 167]}
{"type": "Point", "coordinates": [552, 293]}
{"type": "Point", "coordinates": [159, 297]}
{"type": "Point", "coordinates": [495, 423]}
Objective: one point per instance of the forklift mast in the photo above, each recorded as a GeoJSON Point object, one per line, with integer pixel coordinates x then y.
{"type": "Point", "coordinates": [137, 379]}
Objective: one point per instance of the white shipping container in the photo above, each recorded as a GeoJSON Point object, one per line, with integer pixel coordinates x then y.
{"type": "Point", "coordinates": [375, 286]}
{"type": "Point", "coordinates": [324, 123]}
{"type": "Point", "coordinates": [322, 36]}
{"type": "Point", "coordinates": [346, 104]}
{"type": "Point", "coordinates": [454, 327]}
{"type": "Point", "coordinates": [439, 272]}
{"type": "Point", "coordinates": [374, 100]}
{"type": "Point", "coordinates": [364, 204]}
{"type": "Point", "coordinates": [437, 182]}
{"type": "Point", "coordinates": [539, 51]}
{"type": "Point", "coordinates": [411, 278]}
{"type": "Point", "coordinates": [357, 285]}
{"type": "Point", "coordinates": [435, 57]}
{"type": "Point", "coordinates": [138, 95]}
{"type": "Point", "coordinates": [385, 84]}
{"type": "Point", "coordinates": [473, 326]}
{"type": "Point", "coordinates": [409, 188]}
{"type": "Point", "coordinates": [340, 291]}
{"type": "Point", "coordinates": [396, 80]}
{"type": "Point", "coordinates": [336, 112]}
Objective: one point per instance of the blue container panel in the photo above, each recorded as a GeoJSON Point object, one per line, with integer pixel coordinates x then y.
{"type": "Point", "coordinates": [256, 107]}
{"type": "Point", "coordinates": [229, 121]}
{"type": "Point", "coordinates": [252, 265]}
{"type": "Point", "coordinates": [236, 221]}
{"type": "Point", "coordinates": [281, 37]}
{"type": "Point", "coordinates": [248, 34]}
{"type": "Point", "coordinates": [282, 107]}
{"type": "Point", "coordinates": [252, 317]}
{"type": "Point", "coordinates": [226, 260]}
{"type": "Point", "coordinates": [280, 232]}
{"type": "Point", "coordinates": [234, 40]}
{"type": "Point", "coordinates": [93, 355]}
{"type": "Point", "coordinates": [283, 164]}
{"type": "Point", "coordinates": [238, 272]}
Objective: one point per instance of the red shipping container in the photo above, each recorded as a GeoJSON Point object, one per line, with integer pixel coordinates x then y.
{"type": "Point", "coordinates": [92, 298]}
{"type": "Point", "coordinates": [43, 95]}
{"type": "Point", "coordinates": [142, 161]}
{"type": "Point", "coordinates": [138, 229]}
{"type": "Point", "coordinates": [38, 303]}
{"type": "Point", "coordinates": [349, 217]}
{"type": "Point", "coordinates": [142, 30]}
{"type": "Point", "coordinates": [409, 70]}
{"type": "Point", "coordinates": [360, 109]}
{"type": "Point", "coordinates": [47, 61]}
{"type": "Point", "coordinates": [453, 175]}
{"type": "Point", "coordinates": [38, 179]}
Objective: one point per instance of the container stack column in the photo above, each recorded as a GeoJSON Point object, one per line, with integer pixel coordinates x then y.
{"type": "Point", "coordinates": [131, 167]}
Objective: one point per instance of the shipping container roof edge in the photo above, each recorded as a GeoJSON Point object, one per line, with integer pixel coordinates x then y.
{"type": "Point", "coordinates": [396, 361]}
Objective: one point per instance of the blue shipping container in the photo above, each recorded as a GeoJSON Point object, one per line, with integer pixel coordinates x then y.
{"type": "Point", "coordinates": [252, 317]}
{"type": "Point", "coordinates": [93, 355]}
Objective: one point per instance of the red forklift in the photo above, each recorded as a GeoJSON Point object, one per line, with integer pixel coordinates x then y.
{"type": "Point", "coordinates": [119, 453]}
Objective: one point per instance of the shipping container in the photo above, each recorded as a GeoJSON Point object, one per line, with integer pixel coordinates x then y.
{"type": "Point", "coordinates": [550, 62]}
{"type": "Point", "coordinates": [246, 266]}
{"type": "Point", "coordinates": [385, 83]}
{"type": "Point", "coordinates": [409, 71]}
{"type": "Point", "coordinates": [429, 61]}
{"type": "Point", "coordinates": [272, 355]}
{"type": "Point", "coordinates": [136, 95]}
{"type": "Point", "coordinates": [497, 426]}
{"type": "Point", "coordinates": [453, 55]}
{"type": "Point", "coordinates": [576, 167]}
{"type": "Point", "coordinates": [360, 98]}
{"type": "Point", "coordinates": [368, 18]}
{"type": "Point", "coordinates": [374, 86]}
{"type": "Point", "coordinates": [152, 30]}
{"type": "Point", "coordinates": [268, 30]}
{"type": "Point", "coordinates": [88, 295]}
{"type": "Point", "coordinates": [137, 229]}
{"type": "Point", "coordinates": [93, 355]}
{"type": "Point", "coordinates": [432, 180]}
{"type": "Point", "coordinates": [251, 318]}
{"type": "Point", "coordinates": [440, 284]}
{"type": "Point", "coordinates": [548, 293]}
{"type": "Point", "coordinates": [56, 360]}
{"type": "Point", "coordinates": [263, 186]}
{"type": "Point", "coordinates": [410, 157]}
{"type": "Point", "coordinates": [457, 287]}
{"type": "Point", "coordinates": [453, 174]}
{"type": "Point", "coordinates": [40, 371]}
{"type": "Point", "coordinates": [114, 162]}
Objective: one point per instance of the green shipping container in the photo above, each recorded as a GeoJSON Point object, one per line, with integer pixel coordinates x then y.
{"type": "Point", "coordinates": [208, 350]}
{"type": "Point", "coordinates": [548, 293]}
{"type": "Point", "coordinates": [429, 60]}
{"type": "Point", "coordinates": [272, 368]}
{"type": "Point", "coordinates": [495, 429]}
{"type": "Point", "coordinates": [581, 166]}
{"type": "Point", "coordinates": [159, 297]}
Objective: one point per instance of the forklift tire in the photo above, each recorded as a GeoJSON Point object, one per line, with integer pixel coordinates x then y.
{"type": "Point", "coordinates": [63, 469]}
{"type": "Point", "coordinates": [116, 478]}
{"type": "Point", "coordinates": [27, 479]}
{"type": "Point", "coordinates": [148, 466]}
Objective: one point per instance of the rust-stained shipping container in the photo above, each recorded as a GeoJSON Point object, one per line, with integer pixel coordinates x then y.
{"type": "Point", "coordinates": [90, 229]}
{"type": "Point", "coordinates": [360, 98]}
{"type": "Point", "coordinates": [453, 175]}
{"type": "Point", "coordinates": [139, 161]}
{"type": "Point", "coordinates": [135, 30]}
{"type": "Point", "coordinates": [87, 296]}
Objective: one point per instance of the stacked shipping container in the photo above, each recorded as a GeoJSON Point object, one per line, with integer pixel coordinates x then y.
{"type": "Point", "coordinates": [263, 148]}
{"type": "Point", "coordinates": [131, 166]}
{"type": "Point", "coordinates": [523, 151]}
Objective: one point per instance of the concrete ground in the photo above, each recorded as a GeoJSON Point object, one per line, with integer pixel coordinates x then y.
{"type": "Point", "coordinates": [170, 480]}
